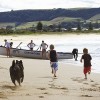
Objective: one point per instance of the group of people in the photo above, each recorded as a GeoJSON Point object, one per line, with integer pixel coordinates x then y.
{"type": "Point", "coordinates": [52, 56]}
{"type": "Point", "coordinates": [31, 46]}
{"type": "Point", "coordinates": [43, 46]}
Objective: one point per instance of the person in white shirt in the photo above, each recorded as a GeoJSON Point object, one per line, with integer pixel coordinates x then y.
{"type": "Point", "coordinates": [44, 46]}
{"type": "Point", "coordinates": [7, 45]}
{"type": "Point", "coordinates": [31, 45]}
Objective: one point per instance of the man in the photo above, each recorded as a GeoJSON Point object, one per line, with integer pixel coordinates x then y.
{"type": "Point", "coordinates": [31, 45]}
{"type": "Point", "coordinates": [75, 53]}
{"type": "Point", "coordinates": [44, 46]}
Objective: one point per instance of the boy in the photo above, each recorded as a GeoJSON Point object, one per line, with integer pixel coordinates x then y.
{"type": "Point", "coordinates": [87, 62]}
{"type": "Point", "coordinates": [52, 55]}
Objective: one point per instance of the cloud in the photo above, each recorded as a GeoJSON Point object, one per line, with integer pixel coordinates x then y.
{"type": "Point", "coordinates": [46, 4]}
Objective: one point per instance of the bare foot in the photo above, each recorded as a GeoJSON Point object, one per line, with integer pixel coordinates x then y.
{"type": "Point", "coordinates": [52, 72]}
{"type": "Point", "coordinates": [85, 78]}
{"type": "Point", "coordinates": [55, 76]}
{"type": "Point", "coordinates": [89, 72]}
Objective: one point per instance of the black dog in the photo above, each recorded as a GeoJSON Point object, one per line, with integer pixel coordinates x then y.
{"type": "Point", "coordinates": [17, 72]}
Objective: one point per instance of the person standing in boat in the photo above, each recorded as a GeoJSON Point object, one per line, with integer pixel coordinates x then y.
{"type": "Point", "coordinates": [7, 45]}
{"type": "Point", "coordinates": [44, 46]}
{"type": "Point", "coordinates": [52, 56]}
{"type": "Point", "coordinates": [31, 45]}
{"type": "Point", "coordinates": [75, 53]}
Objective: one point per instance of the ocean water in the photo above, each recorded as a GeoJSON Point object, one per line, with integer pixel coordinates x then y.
{"type": "Point", "coordinates": [67, 43]}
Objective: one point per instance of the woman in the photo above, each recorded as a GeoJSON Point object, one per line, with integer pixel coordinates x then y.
{"type": "Point", "coordinates": [7, 45]}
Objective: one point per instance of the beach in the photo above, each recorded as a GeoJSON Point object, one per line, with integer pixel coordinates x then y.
{"type": "Point", "coordinates": [39, 83]}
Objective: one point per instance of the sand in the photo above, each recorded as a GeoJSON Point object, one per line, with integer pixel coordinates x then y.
{"type": "Point", "coordinates": [39, 83]}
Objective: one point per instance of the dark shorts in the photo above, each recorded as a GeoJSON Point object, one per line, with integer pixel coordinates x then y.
{"type": "Point", "coordinates": [43, 50]}
{"type": "Point", "coordinates": [31, 48]}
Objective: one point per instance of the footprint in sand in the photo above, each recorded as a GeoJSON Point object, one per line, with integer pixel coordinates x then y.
{"type": "Point", "coordinates": [45, 93]}
{"type": "Point", "coordinates": [78, 79]}
{"type": "Point", "coordinates": [86, 96]}
{"type": "Point", "coordinates": [41, 88]}
{"type": "Point", "coordinates": [2, 96]}
{"type": "Point", "coordinates": [91, 80]}
{"type": "Point", "coordinates": [89, 89]}
{"type": "Point", "coordinates": [41, 96]}
{"type": "Point", "coordinates": [86, 83]}
{"type": "Point", "coordinates": [10, 87]}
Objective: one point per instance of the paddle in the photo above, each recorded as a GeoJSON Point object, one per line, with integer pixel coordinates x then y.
{"type": "Point", "coordinates": [19, 45]}
{"type": "Point", "coordinates": [37, 48]}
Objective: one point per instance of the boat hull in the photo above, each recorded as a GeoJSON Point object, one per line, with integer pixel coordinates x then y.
{"type": "Point", "coordinates": [33, 54]}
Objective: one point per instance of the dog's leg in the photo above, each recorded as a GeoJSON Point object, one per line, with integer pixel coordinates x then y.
{"type": "Point", "coordinates": [19, 82]}
{"type": "Point", "coordinates": [14, 82]}
{"type": "Point", "coordinates": [22, 77]}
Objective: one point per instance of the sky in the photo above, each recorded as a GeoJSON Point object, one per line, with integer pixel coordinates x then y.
{"type": "Point", "coordinates": [8, 5]}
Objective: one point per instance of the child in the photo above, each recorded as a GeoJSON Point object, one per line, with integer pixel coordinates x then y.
{"type": "Point", "coordinates": [87, 62]}
{"type": "Point", "coordinates": [53, 59]}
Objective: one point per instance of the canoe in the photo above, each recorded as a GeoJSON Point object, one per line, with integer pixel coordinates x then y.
{"type": "Point", "coordinates": [33, 54]}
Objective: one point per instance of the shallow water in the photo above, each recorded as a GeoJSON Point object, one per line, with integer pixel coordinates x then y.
{"type": "Point", "coordinates": [67, 43]}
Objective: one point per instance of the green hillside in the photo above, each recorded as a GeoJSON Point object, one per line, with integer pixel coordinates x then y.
{"type": "Point", "coordinates": [54, 21]}
{"type": "Point", "coordinates": [6, 24]}
{"type": "Point", "coordinates": [95, 18]}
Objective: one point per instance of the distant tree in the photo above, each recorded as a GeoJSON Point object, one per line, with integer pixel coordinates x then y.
{"type": "Point", "coordinates": [59, 27]}
{"type": "Point", "coordinates": [39, 26]}
{"type": "Point", "coordinates": [9, 27]}
{"type": "Point", "coordinates": [78, 25]}
{"type": "Point", "coordinates": [90, 26]}
{"type": "Point", "coordinates": [97, 24]}
{"type": "Point", "coordinates": [69, 28]}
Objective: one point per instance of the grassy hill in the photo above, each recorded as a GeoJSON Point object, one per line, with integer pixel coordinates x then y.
{"type": "Point", "coordinates": [6, 24]}
{"type": "Point", "coordinates": [51, 22]}
{"type": "Point", "coordinates": [95, 18]}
